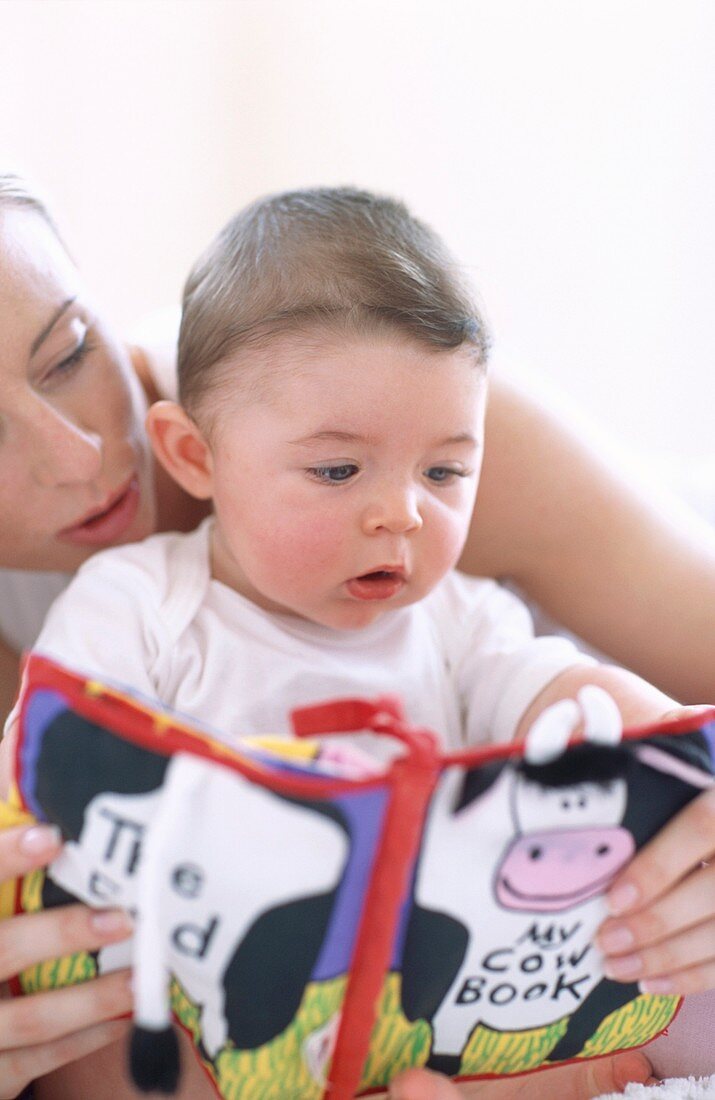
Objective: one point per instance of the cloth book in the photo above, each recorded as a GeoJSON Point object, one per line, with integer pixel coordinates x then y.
{"type": "Point", "coordinates": [318, 917]}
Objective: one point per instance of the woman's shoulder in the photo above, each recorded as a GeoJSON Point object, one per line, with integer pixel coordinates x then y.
{"type": "Point", "coordinates": [25, 599]}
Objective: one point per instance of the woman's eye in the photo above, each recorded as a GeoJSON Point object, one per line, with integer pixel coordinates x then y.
{"type": "Point", "coordinates": [442, 475]}
{"type": "Point", "coordinates": [334, 474]}
{"type": "Point", "coordinates": [71, 362]}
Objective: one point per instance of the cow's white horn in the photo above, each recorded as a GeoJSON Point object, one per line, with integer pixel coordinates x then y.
{"type": "Point", "coordinates": [549, 735]}
{"type": "Point", "coordinates": [601, 717]}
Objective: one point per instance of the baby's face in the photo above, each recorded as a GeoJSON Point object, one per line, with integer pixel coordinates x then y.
{"type": "Point", "coordinates": [345, 489]}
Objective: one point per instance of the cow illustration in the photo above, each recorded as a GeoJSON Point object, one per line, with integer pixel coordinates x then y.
{"type": "Point", "coordinates": [248, 895]}
{"type": "Point", "coordinates": [233, 886]}
{"type": "Point", "coordinates": [509, 888]}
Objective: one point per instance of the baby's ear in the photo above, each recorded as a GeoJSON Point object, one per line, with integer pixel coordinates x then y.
{"type": "Point", "coordinates": [181, 448]}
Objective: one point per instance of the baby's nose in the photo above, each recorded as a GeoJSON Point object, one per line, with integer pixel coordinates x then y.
{"type": "Point", "coordinates": [397, 512]}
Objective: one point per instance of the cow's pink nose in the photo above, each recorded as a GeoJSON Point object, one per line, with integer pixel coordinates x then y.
{"type": "Point", "coordinates": [554, 870]}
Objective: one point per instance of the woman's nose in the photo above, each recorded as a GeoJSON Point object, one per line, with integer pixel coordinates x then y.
{"type": "Point", "coordinates": [395, 510]}
{"type": "Point", "coordinates": [63, 452]}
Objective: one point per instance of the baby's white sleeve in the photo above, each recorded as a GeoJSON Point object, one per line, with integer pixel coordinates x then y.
{"type": "Point", "coordinates": [499, 666]}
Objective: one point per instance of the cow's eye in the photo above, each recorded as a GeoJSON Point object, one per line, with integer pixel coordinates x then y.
{"type": "Point", "coordinates": [565, 804]}
{"type": "Point", "coordinates": [582, 802]}
{"type": "Point", "coordinates": [535, 852]}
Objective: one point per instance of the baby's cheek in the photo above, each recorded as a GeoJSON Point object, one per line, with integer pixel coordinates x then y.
{"type": "Point", "coordinates": [446, 544]}
{"type": "Point", "coordinates": [306, 546]}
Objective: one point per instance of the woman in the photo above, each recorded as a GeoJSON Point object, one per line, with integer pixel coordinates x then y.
{"type": "Point", "coordinates": [78, 476]}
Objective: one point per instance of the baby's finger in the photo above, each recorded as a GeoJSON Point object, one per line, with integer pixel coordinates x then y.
{"type": "Point", "coordinates": [690, 949]}
{"type": "Point", "coordinates": [681, 845]}
{"type": "Point", "coordinates": [33, 937]}
{"type": "Point", "coordinates": [25, 847]}
{"type": "Point", "coordinates": [44, 1017]}
{"type": "Point", "coordinates": [19, 1067]}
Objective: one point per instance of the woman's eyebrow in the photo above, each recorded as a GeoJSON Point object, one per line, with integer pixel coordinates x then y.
{"type": "Point", "coordinates": [49, 327]}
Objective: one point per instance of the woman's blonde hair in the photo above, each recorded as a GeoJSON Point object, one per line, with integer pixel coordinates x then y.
{"type": "Point", "coordinates": [335, 259]}
{"type": "Point", "coordinates": [17, 191]}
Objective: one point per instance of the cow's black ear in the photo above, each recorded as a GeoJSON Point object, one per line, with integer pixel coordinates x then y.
{"type": "Point", "coordinates": [477, 782]}
{"type": "Point", "coordinates": [692, 748]}
{"type": "Point", "coordinates": [655, 796]}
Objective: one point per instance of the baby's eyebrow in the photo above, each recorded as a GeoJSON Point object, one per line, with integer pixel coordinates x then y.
{"type": "Point", "coordinates": [461, 437]}
{"type": "Point", "coordinates": [334, 436]}
{"type": "Point", "coordinates": [49, 327]}
{"type": "Point", "coordinates": [331, 436]}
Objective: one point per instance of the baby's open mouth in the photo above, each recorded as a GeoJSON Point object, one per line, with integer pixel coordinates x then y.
{"type": "Point", "coordinates": [380, 584]}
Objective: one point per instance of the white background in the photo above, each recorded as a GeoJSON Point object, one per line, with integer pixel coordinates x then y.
{"type": "Point", "coordinates": [564, 148]}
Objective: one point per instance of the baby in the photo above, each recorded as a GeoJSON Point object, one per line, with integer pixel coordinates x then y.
{"type": "Point", "coordinates": [332, 388]}
{"type": "Point", "coordinates": [332, 378]}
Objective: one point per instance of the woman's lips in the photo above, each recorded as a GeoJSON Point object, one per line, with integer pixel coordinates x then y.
{"type": "Point", "coordinates": [105, 527]}
{"type": "Point", "coordinates": [382, 584]}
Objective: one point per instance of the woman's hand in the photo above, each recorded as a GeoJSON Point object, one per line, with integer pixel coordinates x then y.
{"type": "Point", "coordinates": [662, 931]}
{"type": "Point", "coordinates": [38, 1033]}
{"type": "Point", "coordinates": [576, 1081]}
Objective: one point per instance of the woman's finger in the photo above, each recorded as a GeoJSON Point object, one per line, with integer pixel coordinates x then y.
{"type": "Point", "coordinates": [682, 845]}
{"type": "Point", "coordinates": [685, 905]}
{"type": "Point", "coordinates": [34, 937]}
{"type": "Point", "coordinates": [45, 1017]}
{"type": "Point", "coordinates": [577, 1081]}
{"type": "Point", "coordinates": [691, 949]}
{"type": "Point", "coordinates": [696, 979]}
{"type": "Point", "coordinates": [19, 1067]}
{"type": "Point", "coordinates": [23, 848]}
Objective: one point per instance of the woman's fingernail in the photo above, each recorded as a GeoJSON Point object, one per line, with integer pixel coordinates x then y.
{"type": "Point", "coordinates": [657, 986]}
{"type": "Point", "coordinates": [622, 898]}
{"type": "Point", "coordinates": [110, 921]}
{"type": "Point", "coordinates": [40, 839]}
{"type": "Point", "coordinates": [615, 939]}
{"type": "Point", "coordinates": [623, 966]}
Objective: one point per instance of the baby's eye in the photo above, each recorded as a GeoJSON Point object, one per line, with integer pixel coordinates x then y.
{"type": "Point", "coordinates": [442, 475]}
{"type": "Point", "coordinates": [333, 474]}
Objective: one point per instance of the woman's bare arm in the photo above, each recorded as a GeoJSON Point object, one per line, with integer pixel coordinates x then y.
{"type": "Point", "coordinates": [594, 552]}
{"type": "Point", "coordinates": [9, 673]}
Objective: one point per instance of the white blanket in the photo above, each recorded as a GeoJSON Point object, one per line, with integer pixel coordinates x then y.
{"type": "Point", "coordinates": [676, 1088]}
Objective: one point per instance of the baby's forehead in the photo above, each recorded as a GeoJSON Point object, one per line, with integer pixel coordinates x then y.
{"type": "Point", "coordinates": [295, 353]}
{"type": "Point", "coordinates": [368, 388]}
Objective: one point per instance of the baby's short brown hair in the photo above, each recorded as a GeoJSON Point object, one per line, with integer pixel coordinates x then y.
{"type": "Point", "coordinates": [335, 259]}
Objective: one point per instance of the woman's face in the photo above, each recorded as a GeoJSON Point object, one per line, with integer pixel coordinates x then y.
{"type": "Point", "coordinates": [77, 474]}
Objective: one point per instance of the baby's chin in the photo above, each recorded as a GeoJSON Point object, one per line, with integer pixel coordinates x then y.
{"type": "Point", "coordinates": [353, 615]}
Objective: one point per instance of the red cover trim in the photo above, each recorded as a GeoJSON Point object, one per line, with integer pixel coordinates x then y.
{"type": "Point", "coordinates": [416, 776]}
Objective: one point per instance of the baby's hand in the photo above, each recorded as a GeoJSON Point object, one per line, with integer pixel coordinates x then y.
{"type": "Point", "coordinates": [662, 931]}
